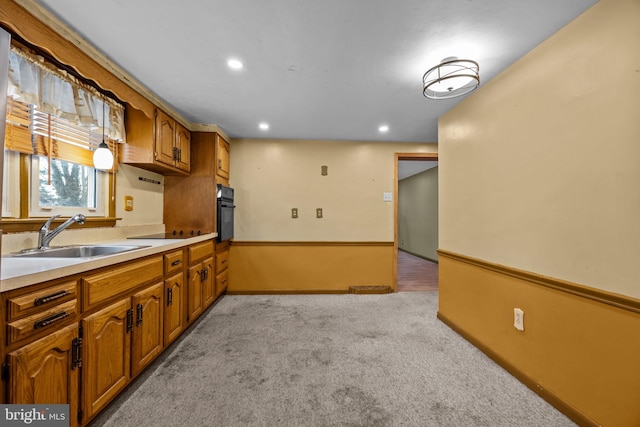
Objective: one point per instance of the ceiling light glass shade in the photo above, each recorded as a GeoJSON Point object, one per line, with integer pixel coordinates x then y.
{"type": "Point", "coordinates": [451, 78]}
{"type": "Point", "coordinates": [102, 157]}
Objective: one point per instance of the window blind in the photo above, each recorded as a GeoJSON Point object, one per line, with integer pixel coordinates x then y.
{"type": "Point", "coordinates": [18, 127]}
{"type": "Point", "coordinates": [31, 131]}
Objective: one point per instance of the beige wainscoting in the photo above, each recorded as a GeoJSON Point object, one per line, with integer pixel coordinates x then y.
{"type": "Point", "coordinates": [308, 267]}
{"type": "Point", "coordinates": [580, 348]}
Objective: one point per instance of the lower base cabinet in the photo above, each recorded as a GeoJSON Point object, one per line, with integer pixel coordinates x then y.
{"type": "Point", "coordinates": [147, 338]}
{"type": "Point", "coordinates": [85, 351]}
{"type": "Point", "coordinates": [173, 307]}
{"type": "Point", "coordinates": [45, 372]}
{"type": "Point", "coordinates": [201, 288]}
{"type": "Point", "coordinates": [106, 358]}
{"type": "Point", "coordinates": [119, 342]}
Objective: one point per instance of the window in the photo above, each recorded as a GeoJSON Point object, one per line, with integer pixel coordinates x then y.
{"type": "Point", "coordinates": [53, 125]}
{"type": "Point", "coordinates": [65, 188]}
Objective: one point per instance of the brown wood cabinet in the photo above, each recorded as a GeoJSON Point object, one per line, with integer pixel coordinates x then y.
{"type": "Point", "coordinates": [201, 292]}
{"type": "Point", "coordinates": [208, 281]}
{"type": "Point", "coordinates": [223, 165]}
{"type": "Point", "coordinates": [60, 348]}
{"type": "Point", "coordinates": [147, 338]}
{"type": "Point", "coordinates": [190, 202]}
{"type": "Point", "coordinates": [46, 371]}
{"type": "Point", "coordinates": [106, 355]}
{"type": "Point", "coordinates": [159, 144]}
{"type": "Point", "coordinates": [174, 293]}
{"type": "Point", "coordinates": [222, 267]}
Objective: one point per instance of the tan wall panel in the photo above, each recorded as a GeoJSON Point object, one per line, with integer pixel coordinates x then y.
{"type": "Point", "coordinates": [308, 267]}
{"type": "Point", "coordinates": [539, 167]}
{"type": "Point", "coordinates": [583, 352]}
{"type": "Point", "coordinates": [272, 176]}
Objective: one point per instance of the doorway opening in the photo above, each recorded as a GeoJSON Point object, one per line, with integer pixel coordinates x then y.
{"type": "Point", "coordinates": [415, 222]}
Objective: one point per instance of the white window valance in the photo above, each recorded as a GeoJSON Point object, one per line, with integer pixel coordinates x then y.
{"type": "Point", "coordinates": [34, 81]}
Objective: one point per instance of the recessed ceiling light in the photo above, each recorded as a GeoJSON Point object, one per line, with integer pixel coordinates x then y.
{"type": "Point", "coordinates": [383, 128]}
{"type": "Point", "coordinates": [235, 64]}
{"type": "Point", "coordinates": [263, 126]}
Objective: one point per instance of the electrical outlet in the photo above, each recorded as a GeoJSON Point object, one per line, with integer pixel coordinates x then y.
{"type": "Point", "coordinates": [128, 203]}
{"type": "Point", "coordinates": [294, 212]}
{"type": "Point", "coordinates": [319, 213]}
{"type": "Point", "coordinates": [518, 319]}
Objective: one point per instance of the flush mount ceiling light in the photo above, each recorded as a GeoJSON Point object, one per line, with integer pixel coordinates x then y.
{"type": "Point", "coordinates": [383, 128]}
{"type": "Point", "coordinates": [451, 78]}
{"type": "Point", "coordinates": [264, 126]}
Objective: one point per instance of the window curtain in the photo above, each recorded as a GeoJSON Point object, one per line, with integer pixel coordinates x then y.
{"type": "Point", "coordinates": [33, 81]}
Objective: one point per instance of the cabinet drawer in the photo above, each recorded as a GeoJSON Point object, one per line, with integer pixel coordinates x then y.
{"type": "Point", "coordinates": [48, 319]}
{"type": "Point", "coordinates": [173, 262]}
{"type": "Point", "coordinates": [102, 286]}
{"type": "Point", "coordinates": [222, 260]}
{"type": "Point", "coordinates": [39, 301]}
{"type": "Point", "coordinates": [200, 251]}
{"type": "Point", "coordinates": [222, 281]}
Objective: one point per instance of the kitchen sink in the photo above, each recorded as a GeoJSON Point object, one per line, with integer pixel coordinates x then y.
{"type": "Point", "coordinates": [79, 251]}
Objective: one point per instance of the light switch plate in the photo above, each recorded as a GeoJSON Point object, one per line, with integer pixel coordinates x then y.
{"type": "Point", "coordinates": [128, 203]}
{"type": "Point", "coordinates": [387, 196]}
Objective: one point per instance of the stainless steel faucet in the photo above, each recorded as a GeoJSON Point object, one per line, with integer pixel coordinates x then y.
{"type": "Point", "coordinates": [45, 236]}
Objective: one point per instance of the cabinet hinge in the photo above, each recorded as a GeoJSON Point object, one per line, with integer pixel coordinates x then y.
{"type": "Point", "coordinates": [5, 371]}
{"type": "Point", "coordinates": [129, 320]}
{"type": "Point", "coordinates": [80, 415]}
{"type": "Point", "coordinates": [76, 353]}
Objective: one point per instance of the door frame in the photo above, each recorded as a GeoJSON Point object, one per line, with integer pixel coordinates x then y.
{"type": "Point", "coordinates": [398, 157]}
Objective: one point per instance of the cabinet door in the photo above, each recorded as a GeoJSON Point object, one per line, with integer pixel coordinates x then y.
{"type": "Point", "coordinates": [147, 332]}
{"type": "Point", "coordinates": [43, 372]}
{"type": "Point", "coordinates": [173, 307]}
{"type": "Point", "coordinates": [208, 282]}
{"type": "Point", "coordinates": [223, 157]}
{"type": "Point", "coordinates": [194, 293]}
{"type": "Point", "coordinates": [106, 347]}
{"type": "Point", "coordinates": [183, 145]}
{"type": "Point", "coordinates": [165, 138]}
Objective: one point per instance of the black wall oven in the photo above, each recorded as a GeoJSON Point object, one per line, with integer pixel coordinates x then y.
{"type": "Point", "coordinates": [224, 217]}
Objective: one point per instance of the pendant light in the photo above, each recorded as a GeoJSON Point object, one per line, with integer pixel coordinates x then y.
{"type": "Point", "coordinates": [102, 157]}
{"type": "Point", "coordinates": [451, 78]}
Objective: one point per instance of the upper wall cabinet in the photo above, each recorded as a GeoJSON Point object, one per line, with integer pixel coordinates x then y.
{"type": "Point", "coordinates": [222, 167]}
{"type": "Point", "coordinates": [160, 144]}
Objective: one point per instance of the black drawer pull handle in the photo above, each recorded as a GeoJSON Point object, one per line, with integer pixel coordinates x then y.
{"type": "Point", "coordinates": [49, 320]}
{"type": "Point", "coordinates": [174, 263]}
{"type": "Point", "coordinates": [224, 261]}
{"type": "Point", "coordinates": [48, 298]}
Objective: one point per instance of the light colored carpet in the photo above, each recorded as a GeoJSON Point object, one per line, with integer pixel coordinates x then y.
{"type": "Point", "coordinates": [327, 360]}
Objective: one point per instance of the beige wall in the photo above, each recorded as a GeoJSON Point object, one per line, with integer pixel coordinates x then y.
{"type": "Point", "coordinates": [272, 176]}
{"type": "Point", "coordinates": [539, 169]}
{"type": "Point", "coordinates": [147, 196]}
{"type": "Point", "coordinates": [146, 217]}
{"type": "Point", "coordinates": [418, 214]}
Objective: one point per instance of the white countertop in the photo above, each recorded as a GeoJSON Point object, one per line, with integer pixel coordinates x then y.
{"type": "Point", "coordinates": [18, 272]}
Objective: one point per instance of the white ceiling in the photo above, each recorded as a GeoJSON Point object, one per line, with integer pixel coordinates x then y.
{"type": "Point", "coordinates": [323, 69]}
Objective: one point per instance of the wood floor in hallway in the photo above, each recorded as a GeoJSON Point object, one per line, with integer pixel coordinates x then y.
{"type": "Point", "coordinates": [416, 274]}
